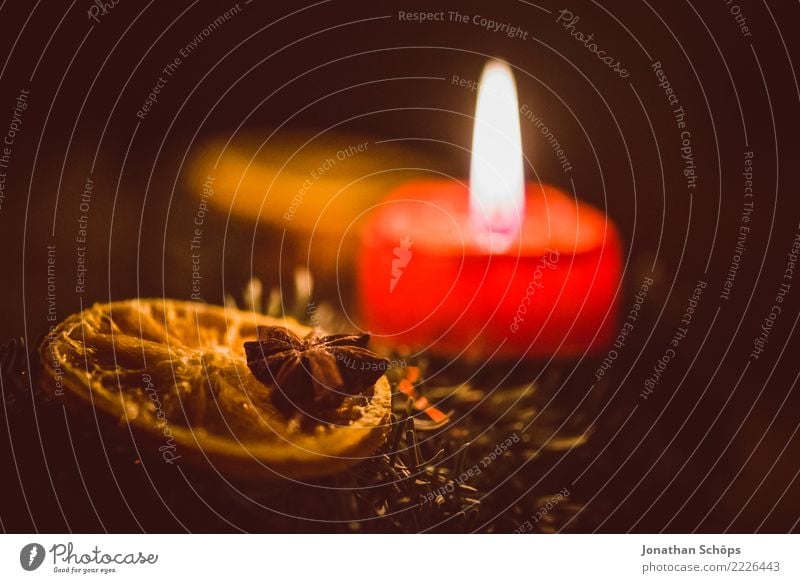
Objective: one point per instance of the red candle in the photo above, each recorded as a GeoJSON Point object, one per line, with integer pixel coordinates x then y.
{"type": "Point", "coordinates": [496, 269]}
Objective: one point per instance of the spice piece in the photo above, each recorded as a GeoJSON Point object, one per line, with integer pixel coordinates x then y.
{"type": "Point", "coordinates": [313, 372]}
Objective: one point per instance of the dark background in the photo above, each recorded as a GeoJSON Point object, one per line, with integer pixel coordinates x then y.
{"type": "Point", "coordinates": [715, 448]}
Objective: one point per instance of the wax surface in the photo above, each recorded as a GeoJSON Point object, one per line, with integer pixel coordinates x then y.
{"type": "Point", "coordinates": [427, 280]}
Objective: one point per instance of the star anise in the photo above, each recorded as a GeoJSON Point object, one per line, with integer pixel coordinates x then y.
{"type": "Point", "coordinates": [313, 372]}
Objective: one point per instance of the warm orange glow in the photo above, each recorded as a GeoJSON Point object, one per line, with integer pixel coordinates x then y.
{"type": "Point", "coordinates": [497, 180]}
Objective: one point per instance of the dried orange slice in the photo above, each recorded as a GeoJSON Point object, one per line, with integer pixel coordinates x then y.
{"type": "Point", "coordinates": [176, 373]}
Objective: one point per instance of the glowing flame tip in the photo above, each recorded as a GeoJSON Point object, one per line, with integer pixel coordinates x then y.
{"type": "Point", "coordinates": [497, 180]}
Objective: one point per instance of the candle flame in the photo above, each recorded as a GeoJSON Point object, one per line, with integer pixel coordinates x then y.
{"type": "Point", "coordinates": [497, 180]}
